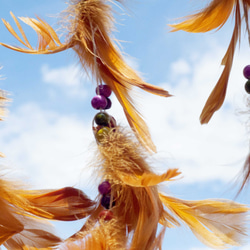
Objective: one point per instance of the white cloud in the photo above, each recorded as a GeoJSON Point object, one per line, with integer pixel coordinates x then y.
{"type": "Point", "coordinates": [69, 79]}
{"type": "Point", "coordinates": [50, 150]}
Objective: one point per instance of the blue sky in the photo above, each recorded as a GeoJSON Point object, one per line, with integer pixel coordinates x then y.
{"type": "Point", "coordinates": [47, 135]}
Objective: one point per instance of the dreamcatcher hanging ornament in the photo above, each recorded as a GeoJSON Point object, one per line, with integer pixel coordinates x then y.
{"type": "Point", "coordinates": [129, 209]}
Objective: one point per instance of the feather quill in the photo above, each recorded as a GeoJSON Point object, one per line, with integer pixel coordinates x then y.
{"type": "Point", "coordinates": [90, 25]}
{"type": "Point", "coordinates": [214, 16]}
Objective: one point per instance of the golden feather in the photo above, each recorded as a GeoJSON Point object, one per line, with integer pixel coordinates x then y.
{"type": "Point", "coordinates": [217, 223]}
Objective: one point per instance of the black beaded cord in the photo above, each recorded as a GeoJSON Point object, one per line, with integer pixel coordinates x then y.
{"type": "Point", "coordinates": [102, 124]}
{"type": "Point", "coordinates": [246, 73]}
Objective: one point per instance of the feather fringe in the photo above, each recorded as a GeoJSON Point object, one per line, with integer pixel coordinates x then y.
{"type": "Point", "coordinates": [90, 25]}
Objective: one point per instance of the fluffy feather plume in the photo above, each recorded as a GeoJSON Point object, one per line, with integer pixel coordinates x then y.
{"type": "Point", "coordinates": [214, 16]}
{"type": "Point", "coordinates": [139, 206]}
{"type": "Point", "coordinates": [18, 228]}
{"type": "Point", "coordinates": [90, 24]}
{"type": "Point", "coordinates": [217, 223]}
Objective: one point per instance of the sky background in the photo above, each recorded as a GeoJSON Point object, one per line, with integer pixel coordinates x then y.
{"type": "Point", "coordinates": [47, 136]}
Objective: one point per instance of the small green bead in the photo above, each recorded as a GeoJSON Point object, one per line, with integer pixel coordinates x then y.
{"type": "Point", "coordinates": [247, 86]}
{"type": "Point", "coordinates": [101, 133]}
{"type": "Point", "coordinates": [102, 119]}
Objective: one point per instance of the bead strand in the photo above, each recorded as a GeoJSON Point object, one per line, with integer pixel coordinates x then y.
{"type": "Point", "coordinates": [105, 190]}
{"type": "Point", "coordinates": [103, 123]}
{"type": "Point", "coordinates": [246, 73]}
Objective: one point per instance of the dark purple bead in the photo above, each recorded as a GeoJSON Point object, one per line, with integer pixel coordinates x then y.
{"type": "Point", "coordinates": [105, 201]}
{"type": "Point", "coordinates": [109, 103]}
{"type": "Point", "coordinates": [104, 187]}
{"type": "Point", "coordinates": [247, 86]}
{"type": "Point", "coordinates": [246, 72]}
{"type": "Point", "coordinates": [99, 102]}
{"type": "Point", "coordinates": [104, 90]}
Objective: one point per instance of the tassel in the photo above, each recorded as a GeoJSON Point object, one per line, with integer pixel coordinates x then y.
{"type": "Point", "coordinates": [90, 23]}
{"type": "Point", "coordinates": [214, 16]}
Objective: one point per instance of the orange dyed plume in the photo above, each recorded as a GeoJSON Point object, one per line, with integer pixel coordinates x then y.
{"type": "Point", "coordinates": [89, 24]}
{"type": "Point", "coordinates": [214, 16]}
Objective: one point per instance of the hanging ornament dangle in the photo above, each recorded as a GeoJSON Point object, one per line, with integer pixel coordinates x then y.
{"type": "Point", "coordinates": [89, 24]}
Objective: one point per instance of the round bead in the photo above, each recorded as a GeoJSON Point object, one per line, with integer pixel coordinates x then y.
{"type": "Point", "coordinates": [106, 215]}
{"type": "Point", "coordinates": [247, 86]}
{"type": "Point", "coordinates": [103, 90]}
{"type": "Point", "coordinates": [102, 133]}
{"type": "Point", "coordinates": [104, 187]}
{"type": "Point", "coordinates": [105, 201]}
{"type": "Point", "coordinates": [99, 102]}
{"type": "Point", "coordinates": [109, 103]}
{"type": "Point", "coordinates": [246, 72]}
{"type": "Point", "coordinates": [102, 119]}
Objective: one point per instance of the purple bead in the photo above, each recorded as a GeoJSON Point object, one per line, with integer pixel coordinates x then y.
{"type": "Point", "coordinates": [104, 90]}
{"type": "Point", "coordinates": [109, 103]}
{"type": "Point", "coordinates": [105, 201]}
{"type": "Point", "coordinates": [104, 187]}
{"type": "Point", "coordinates": [246, 72]}
{"type": "Point", "coordinates": [99, 102]}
